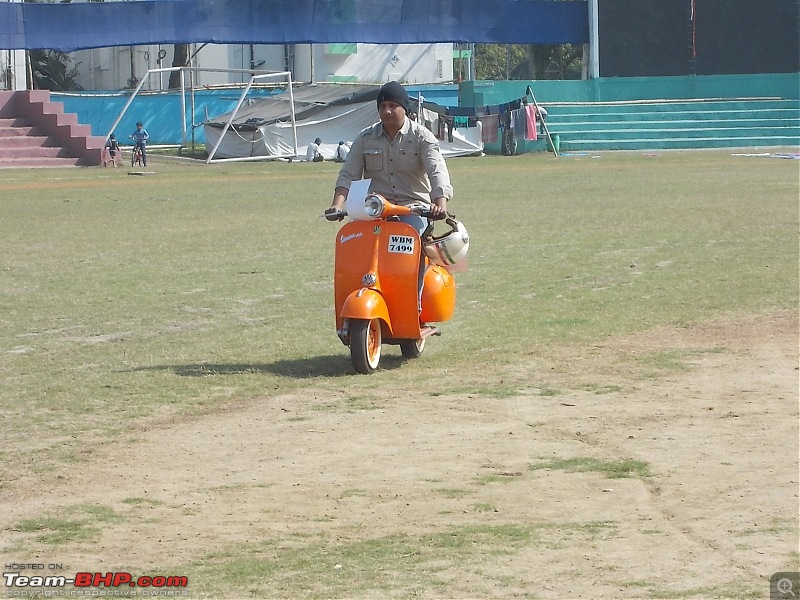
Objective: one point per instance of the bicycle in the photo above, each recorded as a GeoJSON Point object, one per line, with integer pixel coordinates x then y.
{"type": "Point", "coordinates": [136, 156]}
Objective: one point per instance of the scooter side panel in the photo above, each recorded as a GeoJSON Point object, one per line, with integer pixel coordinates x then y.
{"type": "Point", "coordinates": [438, 295]}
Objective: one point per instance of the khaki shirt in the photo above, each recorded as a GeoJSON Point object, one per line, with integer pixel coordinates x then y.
{"type": "Point", "coordinates": [409, 168]}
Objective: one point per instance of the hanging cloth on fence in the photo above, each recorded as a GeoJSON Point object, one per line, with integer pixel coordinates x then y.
{"type": "Point", "coordinates": [490, 124]}
{"type": "Point", "coordinates": [519, 120]}
{"type": "Point", "coordinates": [441, 129]}
{"type": "Point", "coordinates": [530, 111]}
{"type": "Point", "coordinates": [461, 111]}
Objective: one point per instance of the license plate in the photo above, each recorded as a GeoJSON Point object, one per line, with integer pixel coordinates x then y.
{"type": "Point", "coordinates": [401, 244]}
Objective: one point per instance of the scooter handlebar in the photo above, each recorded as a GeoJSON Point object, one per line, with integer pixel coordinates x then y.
{"type": "Point", "coordinates": [428, 214]}
{"type": "Point", "coordinates": [425, 210]}
{"type": "Point", "coordinates": [333, 214]}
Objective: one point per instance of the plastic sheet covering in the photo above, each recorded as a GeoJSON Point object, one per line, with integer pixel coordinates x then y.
{"type": "Point", "coordinates": [69, 27]}
{"type": "Point", "coordinates": [332, 125]}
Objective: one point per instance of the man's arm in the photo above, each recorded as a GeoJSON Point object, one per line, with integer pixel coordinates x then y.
{"type": "Point", "coordinates": [352, 170]}
{"type": "Point", "coordinates": [438, 174]}
{"type": "Point", "coordinates": [339, 196]}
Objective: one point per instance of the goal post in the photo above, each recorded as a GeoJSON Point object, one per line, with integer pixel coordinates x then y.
{"type": "Point", "coordinates": [255, 76]}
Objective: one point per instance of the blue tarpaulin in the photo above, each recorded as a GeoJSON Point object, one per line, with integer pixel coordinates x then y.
{"type": "Point", "coordinates": [69, 27]}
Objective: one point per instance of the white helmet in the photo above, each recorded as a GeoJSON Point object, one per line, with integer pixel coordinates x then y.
{"type": "Point", "coordinates": [448, 249]}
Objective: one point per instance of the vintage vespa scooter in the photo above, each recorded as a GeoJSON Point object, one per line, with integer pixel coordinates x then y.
{"type": "Point", "coordinates": [376, 282]}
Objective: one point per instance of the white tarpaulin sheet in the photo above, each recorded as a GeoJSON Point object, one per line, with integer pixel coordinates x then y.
{"type": "Point", "coordinates": [331, 125]}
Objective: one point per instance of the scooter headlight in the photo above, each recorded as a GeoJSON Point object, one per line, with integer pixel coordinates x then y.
{"type": "Point", "coordinates": [373, 205]}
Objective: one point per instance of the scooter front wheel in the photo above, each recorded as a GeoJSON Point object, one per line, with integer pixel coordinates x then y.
{"type": "Point", "coordinates": [365, 345]}
{"type": "Point", "coordinates": [412, 348]}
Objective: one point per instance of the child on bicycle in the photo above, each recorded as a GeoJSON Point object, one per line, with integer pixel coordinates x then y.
{"type": "Point", "coordinates": [140, 137]}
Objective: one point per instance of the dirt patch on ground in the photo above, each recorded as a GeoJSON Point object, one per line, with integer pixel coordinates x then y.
{"type": "Point", "coordinates": [711, 512]}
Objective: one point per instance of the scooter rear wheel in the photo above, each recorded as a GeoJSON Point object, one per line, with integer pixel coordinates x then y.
{"type": "Point", "coordinates": [412, 348]}
{"type": "Point", "coordinates": [365, 345]}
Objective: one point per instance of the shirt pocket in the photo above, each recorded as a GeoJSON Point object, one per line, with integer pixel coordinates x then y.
{"type": "Point", "coordinates": [373, 160]}
{"type": "Point", "coordinates": [408, 159]}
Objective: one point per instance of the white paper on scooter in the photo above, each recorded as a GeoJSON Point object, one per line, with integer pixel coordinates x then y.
{"type": "Point", "coordinates": [354, 205]}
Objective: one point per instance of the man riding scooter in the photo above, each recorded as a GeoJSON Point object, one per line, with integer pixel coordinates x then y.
{"type": "Point", "coordinates": [401, 157]}
{"type": "Point", "coordinates": [392, 277]}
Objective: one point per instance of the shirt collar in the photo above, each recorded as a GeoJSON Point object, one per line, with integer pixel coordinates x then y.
{"type": "Point", "coordinates": [404, 128]}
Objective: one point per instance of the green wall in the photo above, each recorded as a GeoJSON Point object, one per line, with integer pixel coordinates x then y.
{"type": "Point", "coordinates": [610, 89]}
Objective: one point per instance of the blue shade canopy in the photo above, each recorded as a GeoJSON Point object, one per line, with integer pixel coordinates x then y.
{"type": "Point", "coordinates": [69, 27]}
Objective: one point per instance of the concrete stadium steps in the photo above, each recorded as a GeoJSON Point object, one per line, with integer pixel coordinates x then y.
{"type": "Point", "coordinates": [653, 125]}
{"type": "Point", "coordinates": [35, 132]}
{"type": "Point", "coordinates": [24, 145]}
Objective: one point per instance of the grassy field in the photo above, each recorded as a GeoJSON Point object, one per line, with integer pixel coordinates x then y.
{"type": "Point", "coordinates": [131, 302]}
{"type": "Point", "coordinates": [113, 284]}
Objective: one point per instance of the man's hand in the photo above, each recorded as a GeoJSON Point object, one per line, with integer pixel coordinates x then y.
{"type": "Point", "coordinates": [439, 207]}
{"type": "Point", "coordinates": [333, 214]}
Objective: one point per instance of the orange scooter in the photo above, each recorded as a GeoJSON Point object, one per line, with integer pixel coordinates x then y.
{"type": "Point", "coordinates": [376, 281]}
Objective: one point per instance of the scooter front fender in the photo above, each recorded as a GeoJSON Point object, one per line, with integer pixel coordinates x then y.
{"type": "Point", "coordinates": [366, 304]}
